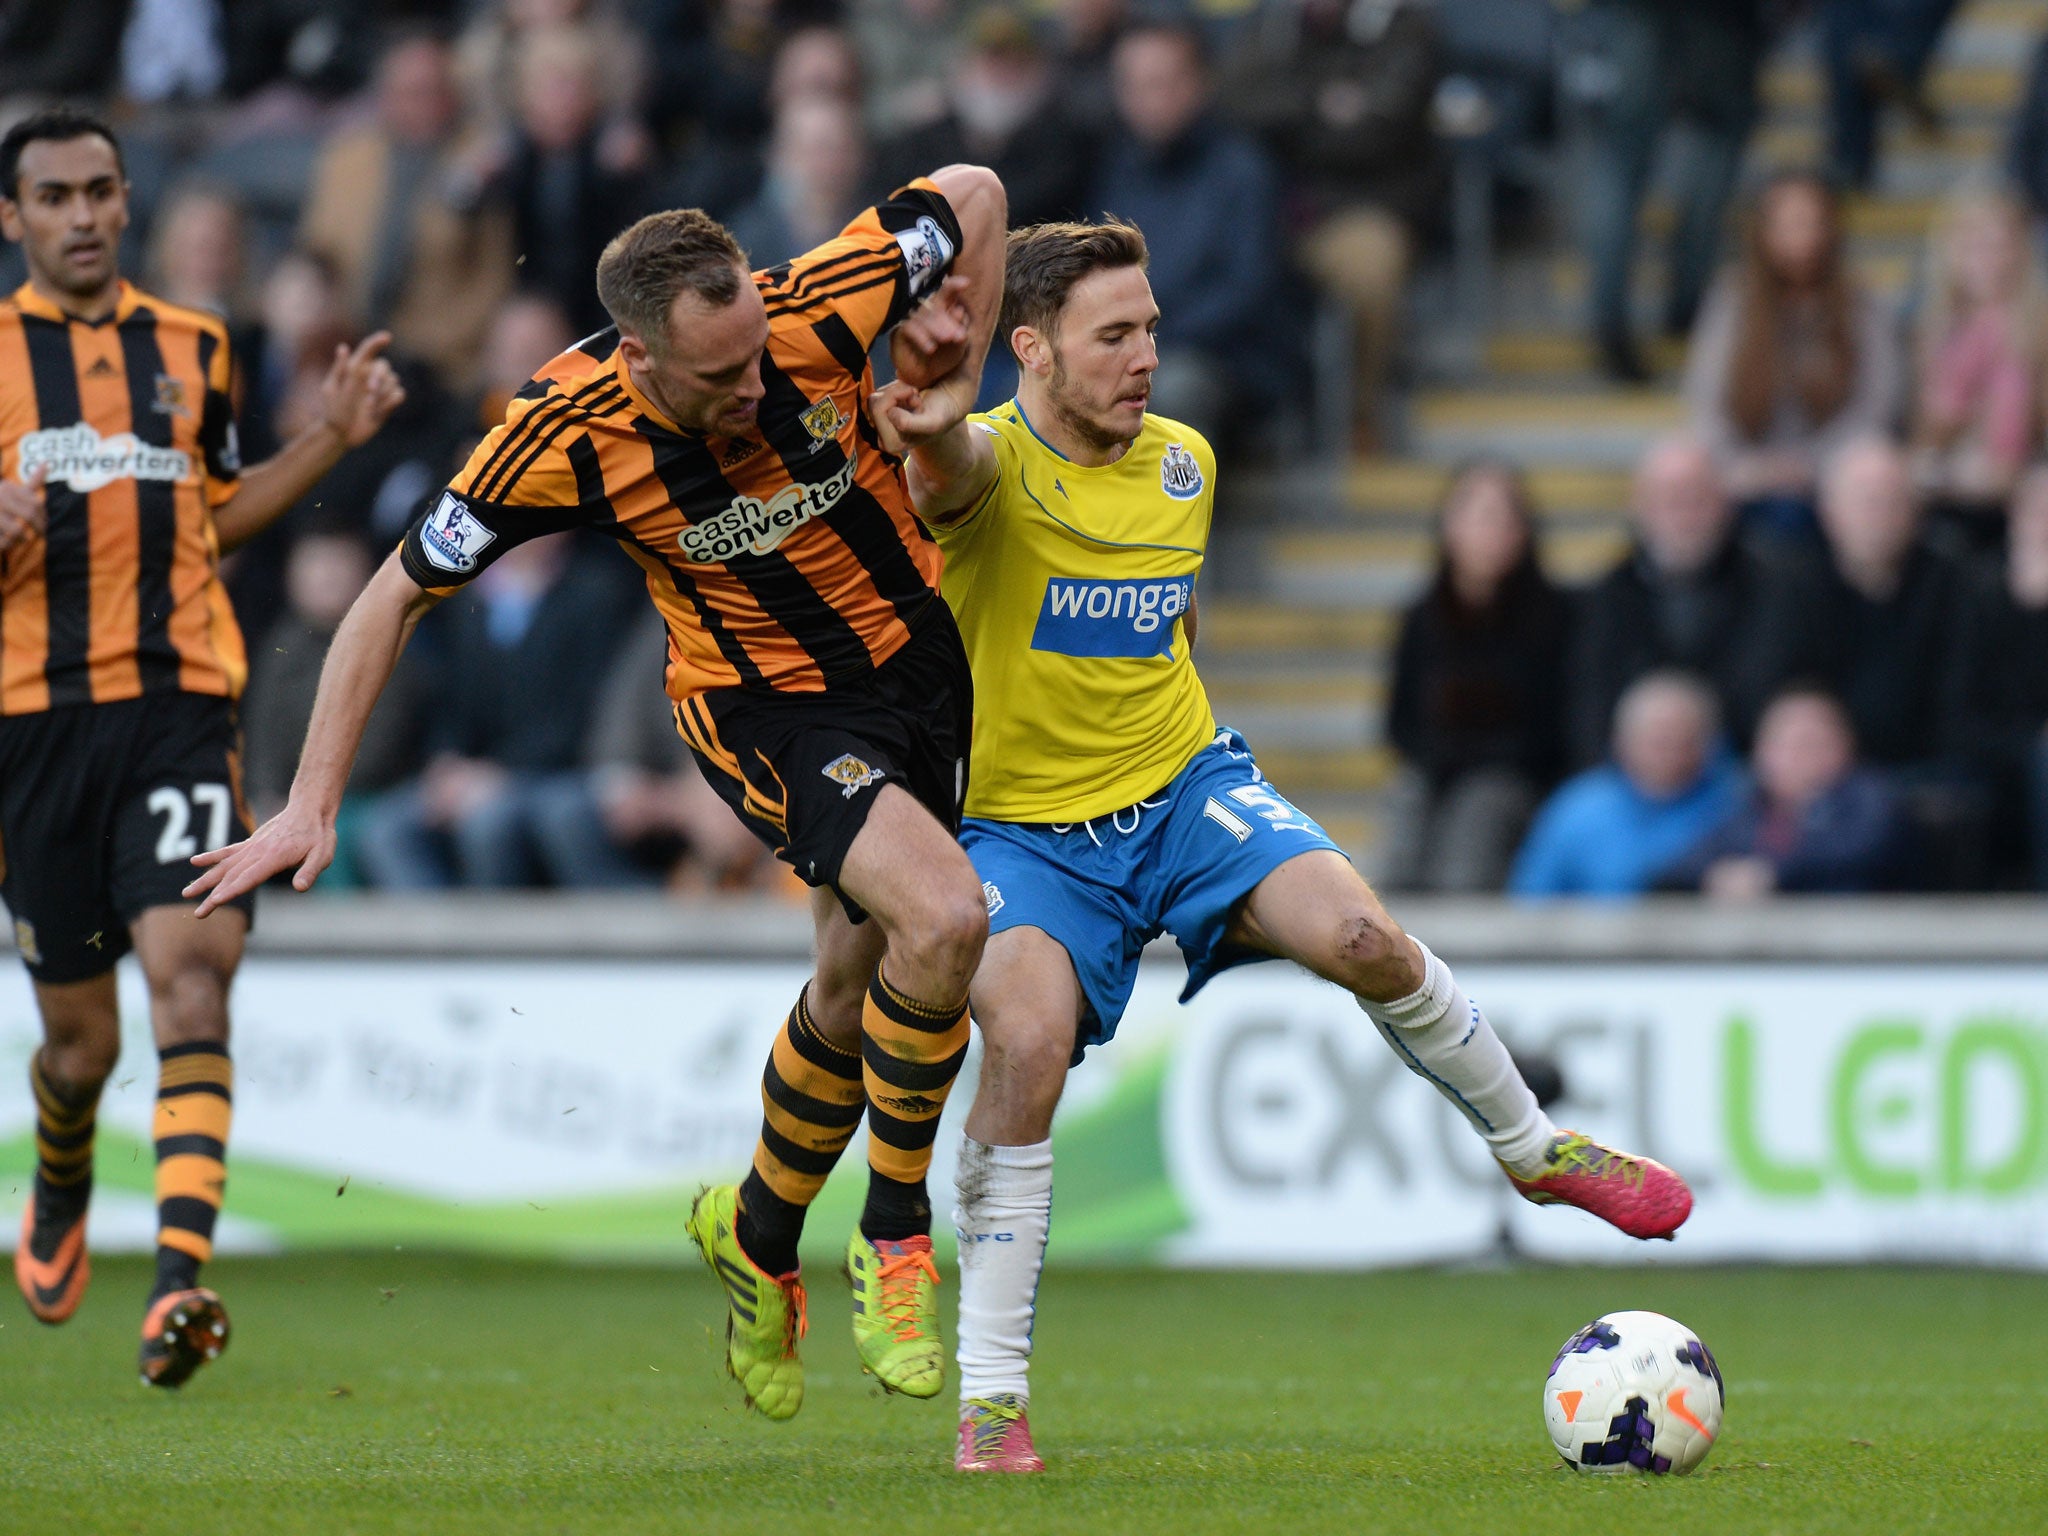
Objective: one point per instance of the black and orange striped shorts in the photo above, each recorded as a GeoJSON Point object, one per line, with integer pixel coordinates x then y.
{"type": "Point", "coordinates": [803, 769]}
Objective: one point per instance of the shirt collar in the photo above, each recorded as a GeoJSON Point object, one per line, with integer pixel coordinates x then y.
{"type": "Point", "coordinates": [30, 302]}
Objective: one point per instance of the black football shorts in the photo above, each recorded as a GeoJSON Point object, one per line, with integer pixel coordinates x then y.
{"type": "Point", "coordinates": [101, 808]}
{"type": "Point", "coordinates": [803, 769]}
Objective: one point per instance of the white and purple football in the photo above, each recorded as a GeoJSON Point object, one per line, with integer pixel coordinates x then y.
{"type": "Point", "coordinates": [1633, 1392]}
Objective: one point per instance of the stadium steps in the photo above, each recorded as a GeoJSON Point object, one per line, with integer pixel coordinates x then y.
{"type": "Point", "coordinates": [1298, 656]}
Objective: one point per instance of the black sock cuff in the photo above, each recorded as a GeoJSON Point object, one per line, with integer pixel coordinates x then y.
{"type": "Point", "coordinates": [194, 1048]}
{"type": "Point", "coordinates": [900, 1008]}
{"type": "Point", "coordinates": [811, 1043]}
{"type": "Point", "coordinates": [895, 1210]}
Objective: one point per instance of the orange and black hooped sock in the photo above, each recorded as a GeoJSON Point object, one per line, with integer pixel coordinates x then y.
{"type": "Point", "coordinates": [194, 1106]}
{"type": "Point", "coordinates": [811, 1103]}
{"type": "Point", "coordinates": [64, 1129]}
{"type": "Point", "coordinates": [911, 1052]}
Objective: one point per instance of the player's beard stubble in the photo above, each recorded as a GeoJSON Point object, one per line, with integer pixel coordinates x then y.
{"type": "Point", "coordinates": [1080, 416]}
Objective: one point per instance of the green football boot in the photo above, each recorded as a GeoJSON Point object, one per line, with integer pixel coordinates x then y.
{"type": "Point", "coordinates": [764, 1313]}
{"type": "Point", "coordinates": [896, 1313]}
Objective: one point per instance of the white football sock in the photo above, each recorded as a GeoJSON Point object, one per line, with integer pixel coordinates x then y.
{"type": "Point", "coordinates": [1446, 1040]}
{"type": "Point", "coordinates": [1004, 1212]}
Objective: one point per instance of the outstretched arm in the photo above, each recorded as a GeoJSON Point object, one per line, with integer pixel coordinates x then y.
{"type": "Point", "coordinates": [357, 397]}
{"type": "Point", "coordinates": [359, 664]}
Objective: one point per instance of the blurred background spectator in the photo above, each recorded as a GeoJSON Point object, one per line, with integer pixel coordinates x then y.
{"type": "Point", "coordinates": [1791, 358]}
{"type": "Point", "coordinates": [327, 567]}
{"type": "Point", "coordinates": [1344, 105]}
{"type": "Point", "coordinates": [817, 174]}
{"type": "Point", "coordinates": [1982, 348]}
{"type": "Point", "coordinates": [398, 206]}
{"type": "Point", "coordinates": [1879, 616]}
{"type": "Point", "coordinates": [570, 180]}
{"type": "Point", "coordinates": [1690, 594]}
{"type": "Point", "coordinates": [1876, 52]}
{"type": "Point", "coordinates": [1999, 693]}
{"type": "Point", "coordinates": [640, 814]}
{"type": "Point", "coordinates": [1477, 711]}
{"type": "Point", "coordinates": [1207, 199]}
{"type": "Point", "coordinates": [516, 649]}
{"type": "Point", "coordinates": [1810, 819]}
{"type": "Point", "coordinates": [1612, 830]}
{"type": "Point", "coordinates": [999, 106]}
{"type": "Point", "coordinates": [1660, 65]}
{"type": "Point", "coordinates": [198, 253]}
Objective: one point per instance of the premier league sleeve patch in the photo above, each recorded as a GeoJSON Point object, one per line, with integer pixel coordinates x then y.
{"type": "Point", "coordinates": [453, 536]}
{"type": "Point", "coordinates": [927, 253]}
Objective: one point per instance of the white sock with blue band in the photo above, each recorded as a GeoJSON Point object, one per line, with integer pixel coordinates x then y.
{"type": "Point", "coordinates": [1445, 1040]}
{"type": "Point", "coordinates": [1003, 1216]}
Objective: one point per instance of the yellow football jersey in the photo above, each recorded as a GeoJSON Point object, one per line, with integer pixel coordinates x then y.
{"type": "Point", "coordinates": [1070, 584]}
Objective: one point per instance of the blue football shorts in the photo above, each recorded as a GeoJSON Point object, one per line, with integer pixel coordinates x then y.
{"type": "Point", "coordinates": [1178, 862]}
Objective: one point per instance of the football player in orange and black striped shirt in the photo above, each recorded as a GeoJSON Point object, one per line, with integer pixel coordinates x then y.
{"type": "Point", "coordinates": [719, 432]}
{"type": "Point", "coordinates": [120, 663]}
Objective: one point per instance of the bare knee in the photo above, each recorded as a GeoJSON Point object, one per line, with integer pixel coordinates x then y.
{"type": "Point", "coordinates": [934, 950]}
{"type": "Point", "coordinates": [1023, 1072]}
{"type": "Point", "coordinates": [80, 1060]}
{"type": "Point", "coordinates": [188, 1001]}
{"type": "Point", "coordinates": [1374, 958]}
{"type": "Point", "coordinates": [81, 1034]}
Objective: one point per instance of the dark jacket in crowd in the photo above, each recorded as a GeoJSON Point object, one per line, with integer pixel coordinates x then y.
{"type": "Point", "coordinates": [1208, 204]}
{"type": "Point", "coordinates": [1482, 688]}
{"type": "Point", "coordinates": [1998, 720]}
{"type": "Point", "coordinates": [1999, 692]}
{"type": "Point", "coordinates": [2026, 161]}
{"type": "Point", "coordinates": [1856, 837]}
{"type": "Point", "coordinates": [1733, 623]}
{"type": "Point", "coordinates": [284, 675]}
{"type": "Point", "coordinates": [1890, 662]}
{"type": "Point", "coordinates": [565, 208]}
{"type": "Point", "coordinates": [70, 48]}
{"type": "Point", "coordinates": [1350, 120]}
{"type": "Point", "coordinates": [528, 705]}
{"type": "Point", "coordinates": [1045, 167]}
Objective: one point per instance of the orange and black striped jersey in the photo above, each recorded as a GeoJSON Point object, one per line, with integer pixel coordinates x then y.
{"type": "Point", "coordinates": [787, 558]}
{"type": "Point", "coordinates": [130, 419]}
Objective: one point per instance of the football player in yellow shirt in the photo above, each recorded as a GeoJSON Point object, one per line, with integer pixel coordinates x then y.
{"type": "Point", "coordinates": [1107, 807]}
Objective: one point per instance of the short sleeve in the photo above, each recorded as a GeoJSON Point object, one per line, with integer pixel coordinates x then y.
{"type": "Point", "coordinates": [219, 444]}
{"type": "Point", "coordinates": [525, 480]}
{"type": "Point", "coordinates": [876, 270]}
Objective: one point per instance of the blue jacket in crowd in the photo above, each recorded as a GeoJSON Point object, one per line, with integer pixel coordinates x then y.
{"type": "Point", "coordinates": [1599, 835]}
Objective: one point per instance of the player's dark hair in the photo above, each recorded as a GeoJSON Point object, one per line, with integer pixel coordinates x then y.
{"type": "Point", "coordinates": [642, 271]}
{"type": "Point", "coordinates": [58, 125]}
{"type": "Point", "coordinates": [1043, 262]}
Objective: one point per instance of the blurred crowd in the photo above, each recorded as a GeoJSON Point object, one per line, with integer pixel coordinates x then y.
{"type": "Point", "coordinates": [1820, 667]}
{"type": "Point", "coordinates": [1731, 708]}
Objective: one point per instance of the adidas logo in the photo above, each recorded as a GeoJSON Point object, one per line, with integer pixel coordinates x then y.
{"type": "Point", "coordinates": [741, 451]}
{"type": "Point", "coordinates": [100, 369]}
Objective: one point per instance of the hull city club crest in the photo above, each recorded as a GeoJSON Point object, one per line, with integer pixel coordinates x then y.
{"type": "Point", "coordinates": [823, 420]}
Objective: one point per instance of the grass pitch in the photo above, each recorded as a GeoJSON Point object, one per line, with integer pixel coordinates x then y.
{"type": "Point", "coordinates": [421, 1393]}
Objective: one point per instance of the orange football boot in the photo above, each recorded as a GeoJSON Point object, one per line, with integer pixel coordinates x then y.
{"type": "Point", "coordinates": [180, 1333]}
{"type": "Point", "coordinates": [52, 1287]}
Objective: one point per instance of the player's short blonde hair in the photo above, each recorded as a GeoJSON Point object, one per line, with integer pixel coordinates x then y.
{"type": "Point", "coordinates": [644, 268]}
{"type": "Point", "coordinates": [1043, 262]}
